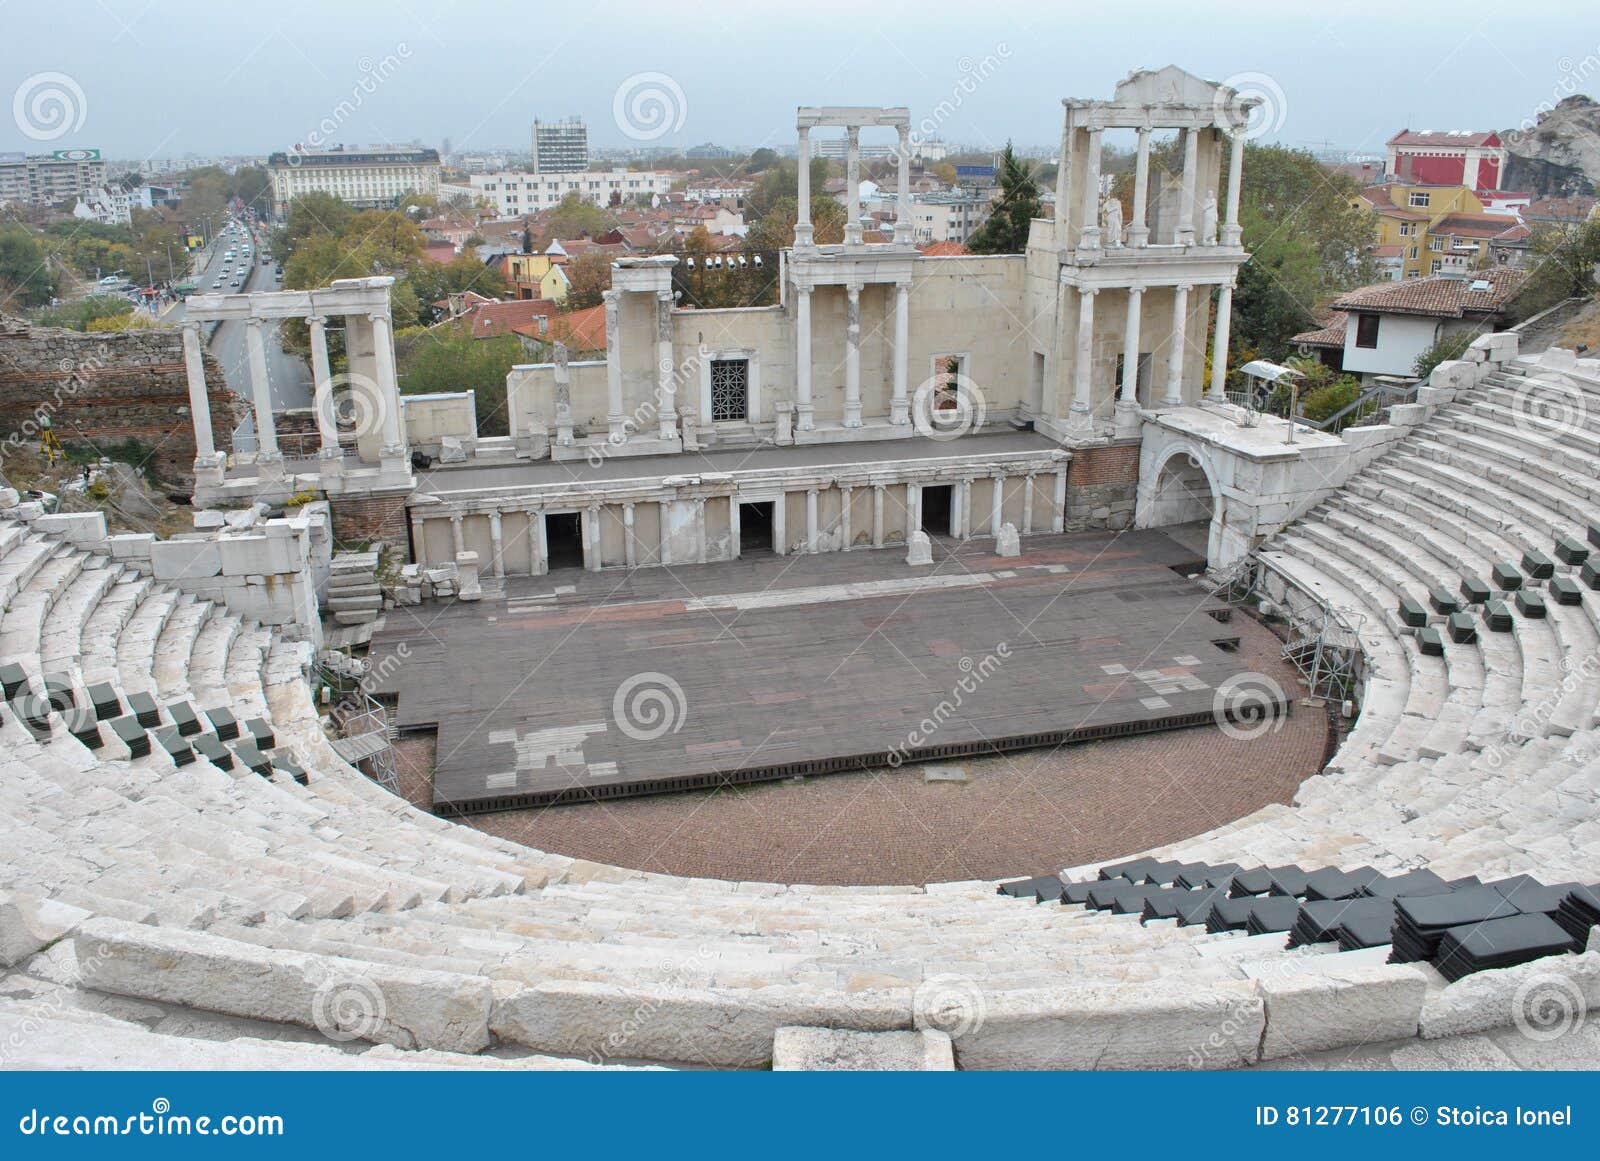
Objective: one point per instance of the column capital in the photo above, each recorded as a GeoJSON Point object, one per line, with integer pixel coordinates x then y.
{"type": "Point", "coordinates": [254, 323]}
{"type": "Point", "coordinates": [317, 320]}
{"type": "Point", "coordinates": [853, 287]}
{"type": "Point", "coordinates": [853, 134]}
{"type": "Point", "coordinates": [1183, 287]}
{"type": "Point", "coordinates": [610, 297]}
{"type": "Point", "coordinates": [1136, 289]}
{"type": "Point", "coordinates": [378, 316]}
{"type": "Point", "coordinates": [664, 296]}
{"type": "Point", "coordinates": [191, 326]}
{"type": "Point", "coordinates": [1088, 291]}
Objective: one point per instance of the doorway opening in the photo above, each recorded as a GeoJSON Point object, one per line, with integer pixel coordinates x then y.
{"type": "Point", "coordinates": [938, 502]}
{"type": "Point", "coordinates": [755, 527]}
{"type": "Point", "coordinates": [564, 536]}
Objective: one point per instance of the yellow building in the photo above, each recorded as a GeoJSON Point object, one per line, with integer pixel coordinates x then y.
{"type": "Point", "coordinates": [1428, 224]}
{"type": "Point", "coordinates": [536, 276]}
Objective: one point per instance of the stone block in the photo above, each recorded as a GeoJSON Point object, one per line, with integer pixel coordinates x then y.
{"type": "Point", "coordinates": [1166, 1024]}
{"type": "Point", "coordinates": [452, 450]}
{"type": "Point", "coordinates": [83, 528]}
{"type": "Point", "coordinates": [1407, 414]}
{"type": "Point", "coordinates": [344, 999]}
{"type": "Point", "coordinates": [185, 559]}
{"type": "Point", "coordinates": [1528, 996]}
{"type": "Point", "coordinates": [9, 498]}
{"type": "Point", "coordinates": [243, 555]}
{"type": "Point", "coordinates": [1009, 541]}
{"type": "Point", "coordinates": [210, 519]}
{"type": "Point", "coordinates": [29, 925]}
{"type": "Point", "coordinates": [130, 545]}
{"type": "Point", "coordinates": [354, 604]}
{"type": "Point", "coordinates": [1559, 359]}
{"type": "Point", "coordinates": [601, 1022]}
{"type": "Point", "coordinates": [919, 549]}
{"type": "Point", "coordinates": [1311, 1011]}
{"type": "Point", "coordinates": [843, 1050]}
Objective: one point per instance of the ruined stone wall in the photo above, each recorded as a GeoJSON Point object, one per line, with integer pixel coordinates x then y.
{"type": "Point", "coordinates": [1103, 486]}
{"type": "Point", "coordinates": [102, 389]}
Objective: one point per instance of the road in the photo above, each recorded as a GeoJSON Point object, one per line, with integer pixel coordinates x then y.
{"type": "Point", "coordinates": [288, 373]}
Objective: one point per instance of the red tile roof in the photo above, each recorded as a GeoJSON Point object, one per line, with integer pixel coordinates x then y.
{"type": "Point", "coordinates": [1445, 138]}
{"type": "Point", "coordinates": [1573, 209]}
{"type": "Point", "coordinates": [1329, 334]}
{"type": "Point", "coordinates": [492, 319]}
{"type": "Point", "coordinates": [1440, 296]}
{"type": "Point", "coordinates": [583, 331]}
{"type": "Point", "coordinates": [1472, 225]}
{"type": "Point", "coordinates": [943, 250]}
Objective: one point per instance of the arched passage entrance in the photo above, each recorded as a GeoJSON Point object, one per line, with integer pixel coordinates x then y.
{"type": "Point", "coordinates": [1182, 494]}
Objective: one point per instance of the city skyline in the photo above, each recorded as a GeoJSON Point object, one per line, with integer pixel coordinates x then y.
{"type": "Point", "coordinates": [317, 77]}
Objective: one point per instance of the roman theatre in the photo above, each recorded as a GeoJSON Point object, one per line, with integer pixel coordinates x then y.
{"type": "Point", "coordinates": [937, 668]}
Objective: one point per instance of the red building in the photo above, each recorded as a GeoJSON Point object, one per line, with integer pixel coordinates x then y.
{"type": "Point", "coordinates": [1447, 157]}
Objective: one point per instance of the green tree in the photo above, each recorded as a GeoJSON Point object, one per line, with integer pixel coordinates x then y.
{"type": "Point", "coordinates": [588, 278]}
{"type": "Point", "coordinates": [1447, 348]}
{"type": "Point", "coordinates": [448, 359]}
{"type": "Point", "coordinates": [760, 160]}
{"type": "Point", "coordinates": [1006, 229]}
{"type": "Point", "coordinates": [83, 313]}
{"type": "Point", "coordinates": [253, 186]}
{"type": "Point", "coordinates": [575, 218]}
{"type": "Point", "coordinates": [779, 184]}
{"type": "Point", "coordinates": [775, 230]}
{"type": "Point", "coordinates": [1564, 264]}
{"type": "Point", "coordinates": [309, 216]}
{"type": "Point", "coordinates": [25, 276]}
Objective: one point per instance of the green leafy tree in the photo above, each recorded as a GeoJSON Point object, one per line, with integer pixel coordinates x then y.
{"type": "Point", "coordinates": [775, 230]}
{"type": "Point", "coordinates": [575, 218]}
{"type": "Point", "coordinates": [1006, 229]}
{"type": "Point", "coordinates": [25, 276]}
{"type": "Point", "coordinates": [310, 216]}
{"type": "Point", "coordinates": [780, 184]}
{"type": "Point", "coordinates": [448, 359]}
{"type": "Point", "coordinates": [760, 160]}
{"type": "Point", "coordinates": [588, 278]}
{"type": "Point", "coordinates": [1447, 348]}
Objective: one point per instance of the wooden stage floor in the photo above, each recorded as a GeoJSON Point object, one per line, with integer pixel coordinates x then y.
{"type": "Point", "coordinates": [581, 686]}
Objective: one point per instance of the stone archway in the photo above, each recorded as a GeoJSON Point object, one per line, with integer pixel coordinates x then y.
{"type": "Point", "coordinates": [1181, 489]}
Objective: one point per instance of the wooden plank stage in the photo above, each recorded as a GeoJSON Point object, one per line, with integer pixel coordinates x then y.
{"type": "Point", "coordinates": [582, 686]}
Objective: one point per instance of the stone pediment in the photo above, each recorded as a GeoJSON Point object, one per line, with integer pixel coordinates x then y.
{"type": "Point", "coordinates": [1166, 86]}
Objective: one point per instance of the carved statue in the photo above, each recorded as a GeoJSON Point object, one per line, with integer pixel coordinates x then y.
{"type": "Point", "coordinates": [1208, 221]}
{"type": "Point", "coordinates": [1111, 213]}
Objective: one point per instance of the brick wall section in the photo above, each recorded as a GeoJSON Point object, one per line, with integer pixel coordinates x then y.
{"type": "Point", "coordinates": [1102, 486]}
{"type": "Point", "coordinates": [371, 518]}
{"type": "Point", "coordinates": [102, 389]}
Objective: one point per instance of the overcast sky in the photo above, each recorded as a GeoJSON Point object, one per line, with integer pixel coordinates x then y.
{"type": "Point", "coordinates": [160, 79]}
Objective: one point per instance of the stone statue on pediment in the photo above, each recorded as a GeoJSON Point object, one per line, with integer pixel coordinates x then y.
{"type": "Point", "coordinates": [1111, 220]}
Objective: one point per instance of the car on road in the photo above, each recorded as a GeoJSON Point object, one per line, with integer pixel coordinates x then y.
{"type": "Point", "coordinates": [217, 285]}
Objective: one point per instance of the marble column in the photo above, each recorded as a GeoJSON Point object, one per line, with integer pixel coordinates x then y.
{"type": "Point", "coordinates": [1127, 410]}
{"type": "Point", "coordinates": [852, 355]}
{"type": "Point", "coordinates": [630, 551]}
{"type": "Point", "coordinates": [388, 401]}
{"type": "Point", "coordinates": [844, 518]}
{"type": "Point", "coordinates": [699, 529]}
{"type": "Point", "coordinates": [194, 365]}
{"type": "Point", "coordinates": [1058, 520]}
{"type": "Point", "coordinates": [1139, 231]}
{"type": "Point", "coordinates": [1191, 166]}
{"type": "Point", "coordinates": [1176, 347]}
{"type": "Point", "coordinates": [1232, 232]}
{"type": "Point", "coordinates": [811, 520]}
{"type": "Point", "coordinates": [1089, 236]}
{"type": "Point", "coordinates": [733, 528]}
{"type": "Point", "coordinates": [616, 421]}
{"type": "Point", "coordinates": [591, 538]}
{"type": "Point", "coordinates": [903, 225]}
{"type": "Point", "coordinates": [457, 540]}
{"type": "Point", "coordinates": [541, 543]}
{"type": "Point", "coordinates": [1027, 503]}
{"type": "Point", "coordinates": [877, 515]}
{"type": "Point", "coordinates": [666, 383]}
{"type": "Point", "coordinates": [419, 543]}
{"type": "Point", "coordinates": [899, 403]}
{"type": "Point", "coordinates": [322, 387]}
{"type": "Point", "coordinates": [267, 452]}
{"type": "Point", "coordinates": [780, 524]}
{"type": "Point", "coordinates": [852, 182]}
{"type": "Point", "coordinates": [997, 504]}
{"type": "Point", "coordinates": [802, 225]}
{"type": "Point", "coordinates": [913, 509]}
{"type": "Point", "coordinates": [1219, 350]}
{"type": "Point", "coordinates": [802, 358]}
{"type": "Point", "coordinates": [1081, 417]}
{"type": "Point", "coordinates": [497, 545]}
{"type": "Point", "coordinates": [963, 519]}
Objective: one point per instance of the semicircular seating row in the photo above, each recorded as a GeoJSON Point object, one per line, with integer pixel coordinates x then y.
{"type": "Point", "coordinates": [271, 895]}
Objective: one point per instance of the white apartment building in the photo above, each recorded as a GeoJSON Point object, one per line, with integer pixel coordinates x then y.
{"type": "Point", "coordinates": [47, 179]}
{"type": "Point", "coordinates": [367, 179]}
{"type": "Point", "coordinates": [514, 193]}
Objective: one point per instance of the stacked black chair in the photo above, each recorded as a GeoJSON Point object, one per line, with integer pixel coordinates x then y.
{"type": "Point", "coordinates": [1499, 943]}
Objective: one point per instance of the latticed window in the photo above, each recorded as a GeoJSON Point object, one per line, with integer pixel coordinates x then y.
{"type": "Point", "coordinates": [730, 386]}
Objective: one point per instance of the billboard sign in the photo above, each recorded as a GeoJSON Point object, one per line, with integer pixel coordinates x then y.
{"type": "Point", "coordinates": [974, 171]}
{"type": "Point", "coordinates": [76, 155]}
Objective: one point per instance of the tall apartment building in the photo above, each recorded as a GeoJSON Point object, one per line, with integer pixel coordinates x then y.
{"type": "Point", "coordinates": [48, 179]}
{"type": "Point", "coordinates": [367, 179]}
{"type": "Point", "coordinates": [560, 146]}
